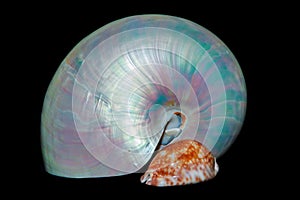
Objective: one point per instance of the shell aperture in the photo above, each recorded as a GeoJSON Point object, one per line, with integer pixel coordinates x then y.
{"type": "Point", "coordinates": [136, 86]}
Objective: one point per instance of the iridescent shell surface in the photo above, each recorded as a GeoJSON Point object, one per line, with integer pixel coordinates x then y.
{"type": "Point", "coordinates": [135, 86]}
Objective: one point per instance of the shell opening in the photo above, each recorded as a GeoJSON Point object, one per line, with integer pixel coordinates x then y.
{"type": "Point", "coordinates": [146, 178]}
{"type": "Point", "coordinates": [172, 130]}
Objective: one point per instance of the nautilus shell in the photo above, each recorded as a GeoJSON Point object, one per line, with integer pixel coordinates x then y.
{"type": "Point", "coordinates": [151, 94]}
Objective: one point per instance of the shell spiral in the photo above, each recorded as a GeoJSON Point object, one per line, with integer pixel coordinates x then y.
{"type": "Point", "coordinates": [135, 86]}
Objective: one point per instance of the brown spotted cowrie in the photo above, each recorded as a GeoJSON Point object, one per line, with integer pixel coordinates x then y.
{"type": "Point", "coordinates": [181, 163]}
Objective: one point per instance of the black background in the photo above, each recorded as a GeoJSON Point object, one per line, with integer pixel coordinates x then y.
{"type": "Point", "coordinates": [46, 33]}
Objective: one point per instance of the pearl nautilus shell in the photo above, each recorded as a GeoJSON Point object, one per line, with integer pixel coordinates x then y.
{"type": "Point", "coordinates": [151, 94]}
